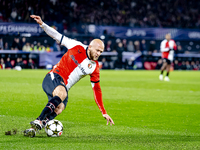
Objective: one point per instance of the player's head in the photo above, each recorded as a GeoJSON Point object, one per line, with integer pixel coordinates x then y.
{"type": "Point", "coordinates": [95, 48]}
{"type": "Point", "coordinates": [168, 36]}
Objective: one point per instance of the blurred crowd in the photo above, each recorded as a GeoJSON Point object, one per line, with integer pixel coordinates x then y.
{"type": "Point", "coordinates": [111, 45]}
{"type": "Point", "coordinates": [181, 65]}
{"type": "Point", "coordinates": [19, 63]}
{"type": "Point", "coordinates": [133, 13]}
{"type": "Point", "coordinates": [27, 46]}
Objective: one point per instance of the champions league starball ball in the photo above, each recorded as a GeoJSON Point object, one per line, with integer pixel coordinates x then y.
{"type": "Point", "coordinates": [54, 128]}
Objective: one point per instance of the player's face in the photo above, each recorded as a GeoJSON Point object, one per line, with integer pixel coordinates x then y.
{"type": "Point", "coordinates": [95, 51]}
{"type": "Point", "coordinates": [168, 37]}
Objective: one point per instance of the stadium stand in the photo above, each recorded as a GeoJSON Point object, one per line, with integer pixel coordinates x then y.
{"type": "Point", "coordinates": [67, 16]}
{"type": "Point", "coordinates": [137, 13]}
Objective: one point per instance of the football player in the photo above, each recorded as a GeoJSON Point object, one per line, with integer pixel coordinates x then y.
{"type": "Point", "coordinates": [167, 48]}
{"type": "Point", "coordinates": [80, 60]}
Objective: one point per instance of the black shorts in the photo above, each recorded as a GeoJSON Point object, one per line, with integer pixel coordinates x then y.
{"type": "Point", "coordinates": [167, 61]}
{"type": "Point", "coordinates": [50, 82]}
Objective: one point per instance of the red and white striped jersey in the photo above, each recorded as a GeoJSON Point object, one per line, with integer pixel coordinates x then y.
{"type": "Point", "coordinates": [167, 48]}
{"type": "Point", "coordinates": [75, 64]}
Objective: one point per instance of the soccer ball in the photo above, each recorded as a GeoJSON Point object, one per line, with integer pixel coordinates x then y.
{"type": "Point", "coordinates": [54, 128]}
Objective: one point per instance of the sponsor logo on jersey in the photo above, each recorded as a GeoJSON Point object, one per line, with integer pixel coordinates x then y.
{"type": "Point", "coordinates": [79, 65]}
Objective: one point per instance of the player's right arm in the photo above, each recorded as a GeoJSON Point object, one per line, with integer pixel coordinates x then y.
{"type": "Point", "coordinates": [94, 78]}
{"type": "Point", "coordinates": [99, 101]}
{"type": "Point", "coordinates": [163, 47]}
{"type": "Point", "coordinates": [63, 40]}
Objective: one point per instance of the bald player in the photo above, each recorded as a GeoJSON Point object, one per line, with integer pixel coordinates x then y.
{"type": "Point", "coordinates": [80, 60]}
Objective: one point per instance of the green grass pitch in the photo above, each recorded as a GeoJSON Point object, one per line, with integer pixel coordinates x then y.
{"type": "Point", "coordinates": [148, 113]}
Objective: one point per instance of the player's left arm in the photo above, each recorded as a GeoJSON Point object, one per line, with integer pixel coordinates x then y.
{"type": "Point", "coordinates": [99, 101]}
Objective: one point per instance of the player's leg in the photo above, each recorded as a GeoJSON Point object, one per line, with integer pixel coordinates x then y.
{"type": "Point", "coordinates": [168, 70]}
{"type": "Point", "coordinates": [167, 75]}
{"type": "Point", "coordinates": [51, 111]}
{"type": "Point", "coordinates": [62, 105]}
{"type": "Point", "coordinates": [162, 69]}
{"type": "Point", "coordinates": [57, 99]}
{"type": "Point", "coordinates": [52, 85]}
{"type": "Point", "coordinates": [58, 110]}
{"type": "Point", "coordinates": [32, 131]}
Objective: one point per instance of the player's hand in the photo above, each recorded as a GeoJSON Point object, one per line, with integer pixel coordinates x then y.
{"type": "Point", "coordinates": [109, 119]}
{"type": "Point", "coordinates": [37, 19]}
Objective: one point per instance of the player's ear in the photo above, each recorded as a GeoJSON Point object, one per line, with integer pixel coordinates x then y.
{"type": "Point", "coordinates": [89, 47]}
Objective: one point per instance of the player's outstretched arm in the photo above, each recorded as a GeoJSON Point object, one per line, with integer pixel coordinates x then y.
{"type": "Point", "coordinates": [50, 31]}
{"type": "Point", "coordinates": [63, 40]}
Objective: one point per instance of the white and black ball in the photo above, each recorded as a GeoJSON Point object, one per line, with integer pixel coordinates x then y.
{"type": "Point", "coordinates": [54, 128]}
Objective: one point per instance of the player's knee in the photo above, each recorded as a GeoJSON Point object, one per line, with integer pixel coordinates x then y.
{"type": "Point", "coordinates": [64, 95]}
{"type": "Point", "coordinates": [61, 92]}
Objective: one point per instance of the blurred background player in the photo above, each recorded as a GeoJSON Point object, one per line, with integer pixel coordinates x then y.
{"type": "Point", "coordinates": [80, 60]}
{"type": "Point", "coordinates": [167, 48]}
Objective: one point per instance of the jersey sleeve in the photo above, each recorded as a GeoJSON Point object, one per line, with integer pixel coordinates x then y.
{"type": "Point", "coordinates": [70, 43]}
{"type": "Point", "coordinates": [95, 76]}
{"type": "Point", "coordinates": [98, 96]}
{"type": "Point", "coordinates": [63, 40]}
{"type": "Point", "coordinates": [51, 32]}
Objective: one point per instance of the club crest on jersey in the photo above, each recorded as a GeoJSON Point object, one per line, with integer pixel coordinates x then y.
{"type": "Point", "coordinates": [89, 65]}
